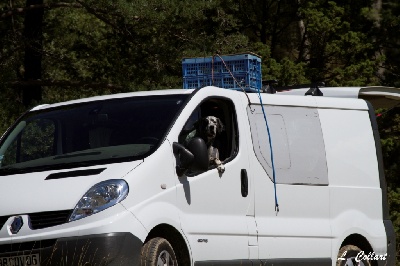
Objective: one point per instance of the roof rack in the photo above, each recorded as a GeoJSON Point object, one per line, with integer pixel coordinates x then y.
{"type": "Point", "coordinates": [268, 87]}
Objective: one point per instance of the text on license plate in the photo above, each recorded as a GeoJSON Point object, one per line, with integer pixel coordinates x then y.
{"type": "Point", "coordinates": [23, 260]}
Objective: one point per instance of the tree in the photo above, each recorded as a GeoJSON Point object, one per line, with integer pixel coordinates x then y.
{"type": "Point", "coordinates": [33, 51]}
{"type": "Point", "coordinates": [390, 42]}
{"type": "Point", "coordinates": [56, 50]}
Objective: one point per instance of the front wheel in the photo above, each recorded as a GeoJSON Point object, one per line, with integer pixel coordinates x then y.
{"type": "Point", "coordinates": [347, 256]}
{"type": "Point", "coordinates": [158, 252]}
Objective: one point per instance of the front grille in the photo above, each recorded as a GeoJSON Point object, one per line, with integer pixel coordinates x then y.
{"type": "Point", "coordinates": [3, 220]}
{"type": "Point", "coordinates": [27, 246]}
{"type": "Point", "coordinates": [42, 220]}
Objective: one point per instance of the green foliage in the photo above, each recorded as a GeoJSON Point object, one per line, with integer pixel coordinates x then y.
{"type": "Point", "coordinates": [389, 40]}
{"type": "Point", "coordinates": [394, 206]}
{"type": "Point", "coordinates": [73, 45]}
{"type": "Point", "coordinates": [11, 108]}
{"type": "Point", "coordinates": [389, 125]}
{"type": "Point", "coordinates": [94, 47]}
{"type": "Point", "coordinates": [287, 72]}
{"type": "Point", "coordinates": [341, 52]}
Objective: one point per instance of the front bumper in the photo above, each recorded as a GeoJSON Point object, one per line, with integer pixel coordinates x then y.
{"type": "Point", "coordinates": [109, 249]}
{"type": "Point", "coordinates": [111, 237]}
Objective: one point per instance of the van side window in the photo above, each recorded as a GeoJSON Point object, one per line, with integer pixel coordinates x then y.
{"type": "Point", "coordinates": [226, 141]}
{"type": "Point", "coordinates": [297, 143]}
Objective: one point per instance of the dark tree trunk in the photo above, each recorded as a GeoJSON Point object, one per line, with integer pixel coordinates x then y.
{"type": "Point", "coordinates": [275, 37]}
{"type": "Point", "coordinates": [33, 51]}
{"type": "Point", "coordinates": [264, 21]}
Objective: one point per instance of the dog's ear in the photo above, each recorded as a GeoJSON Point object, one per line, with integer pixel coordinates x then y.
{"type": "Point", "coordinates": [199, 125]}
{"type": "Point", "coordinates": [196, 124]}
{"type": "Point", "coordinates": [220, 126]}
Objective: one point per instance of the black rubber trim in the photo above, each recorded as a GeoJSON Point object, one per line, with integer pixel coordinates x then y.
{"type": "Point", "coordinates": [270, 262]}
{"type": "Point", "coordinates": [391, 244]}
{"type": "Point", "coordinates": [227, 263]}
{"type": "Point", "coordinates": [110, 249]}
{"type": "Point", "coordinates": [390, 233]}
{"type": "Point", "coordinates": [382, 180]}
{"type": "Point", "coordinates": [31, 245]}
{"type": "Point", "coordinates": [75, 173]}
{"type": "Point", "coordinates": [244, 183]}
{"type": "Point", "coordinates": [298, 262]}
{"type": "Point", "coordinates": [3, 220]}
{"type": "Point", "coordinates": [40, 220]}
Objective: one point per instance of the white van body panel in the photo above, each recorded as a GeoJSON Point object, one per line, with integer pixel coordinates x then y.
{"type": "Point", "coordinates": [57, 194]}
{"type": "Point", "coordinates": [302, 226]}
{"type": "Point", "coordinates": [337, 195]}
{"type": "Point", "coordinates": [354, 189]}
{"type": "Point", "coordinates": [107, 221]}
{"type": "Point", "coordinates": [350, 148]}
{"type": "Point", "coordinates": [344, 104]}
{"type": "Point", "coordinates": [114, 96]}
{"type": "Point", "coordinates": [152, 197]}
{"type": "Point", "coordinates": [225, 224]}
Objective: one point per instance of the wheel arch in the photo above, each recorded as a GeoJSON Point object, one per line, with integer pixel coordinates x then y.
{"type": "Point", "coordinates": [361, 242]}
{"type": "Point", "coordinates": [175, 238]}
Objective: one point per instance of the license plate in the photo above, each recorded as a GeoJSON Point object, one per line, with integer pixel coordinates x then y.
{"type": "Point", "coordinates": [23, 260]}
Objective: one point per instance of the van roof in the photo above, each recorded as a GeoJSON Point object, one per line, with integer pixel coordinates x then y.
{"type": "Point", "coordinates": [380, 97]}
{"type": "Point", "coordinates": [114, 96]}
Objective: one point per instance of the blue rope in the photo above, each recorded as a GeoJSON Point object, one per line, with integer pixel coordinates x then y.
{"type": "Point", "coordinates": [272, 154]}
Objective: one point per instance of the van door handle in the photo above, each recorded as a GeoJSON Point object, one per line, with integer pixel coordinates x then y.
{"type": "Point", "coordinates": [244, 181]}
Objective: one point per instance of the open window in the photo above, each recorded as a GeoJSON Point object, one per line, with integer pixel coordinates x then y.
{"type": "Point", "coordinates": [226, 141]}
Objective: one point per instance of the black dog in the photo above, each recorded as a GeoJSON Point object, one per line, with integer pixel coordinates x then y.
{"type": "Point", "coordinates": [207, 129]}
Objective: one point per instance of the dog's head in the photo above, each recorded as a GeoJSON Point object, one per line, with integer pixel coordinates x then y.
{"type": "Point", "coordinates": [210, 126]}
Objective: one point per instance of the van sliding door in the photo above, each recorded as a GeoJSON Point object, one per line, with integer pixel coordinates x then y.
{"type": "Point", "coordinates": [300, 232]}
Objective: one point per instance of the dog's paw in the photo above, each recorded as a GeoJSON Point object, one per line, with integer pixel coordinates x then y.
{"type": "Point", "coordinates": [221, 168]}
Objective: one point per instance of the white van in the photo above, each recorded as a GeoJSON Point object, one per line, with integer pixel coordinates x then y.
{"type": "Point", "coordinates": [114, 180]}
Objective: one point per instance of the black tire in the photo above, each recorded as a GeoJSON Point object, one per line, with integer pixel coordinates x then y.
{"type": "Point", "coordinates": [158, 252]}
{"type": "Point", "coordinates": [347, 257]}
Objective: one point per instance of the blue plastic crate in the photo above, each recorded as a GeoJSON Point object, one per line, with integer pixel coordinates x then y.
{"type": "Point", "coordinates": [246, 68]}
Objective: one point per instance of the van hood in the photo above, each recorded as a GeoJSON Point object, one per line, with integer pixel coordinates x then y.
{"type": "Point", "coordinates": [54, 190]}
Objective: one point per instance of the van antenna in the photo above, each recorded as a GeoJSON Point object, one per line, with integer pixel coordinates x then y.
{"type": "Point", "coordinates": [271, 152]}
{"type": "Point", "coordinates": [268, 86]}
{"type": "Point", "coordinates": [230, 73]}
{"type": "Point", "coordinates": [265, 118]}
{"type": "Point", "coordinates": [381, 114]}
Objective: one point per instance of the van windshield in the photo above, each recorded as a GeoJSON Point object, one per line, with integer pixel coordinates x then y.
{"type": "Point", "coordinates": [88, 133]}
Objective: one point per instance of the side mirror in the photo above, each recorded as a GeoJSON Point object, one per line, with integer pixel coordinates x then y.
{"type": "Point", "coordinates": [194, 157]}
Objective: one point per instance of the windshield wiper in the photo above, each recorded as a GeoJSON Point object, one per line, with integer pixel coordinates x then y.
{"type": "Point", "coordinates": [9, 170]}
{"type": "Point", "coordinates": [12, 170]}
{"type": "Point", "coordinates": [76, 155]}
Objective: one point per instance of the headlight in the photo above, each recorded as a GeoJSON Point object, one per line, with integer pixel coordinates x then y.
{"type": "Point", "coordinates": [99, 197]}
